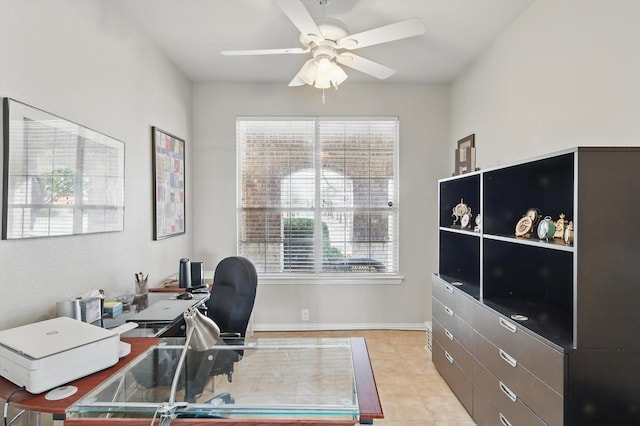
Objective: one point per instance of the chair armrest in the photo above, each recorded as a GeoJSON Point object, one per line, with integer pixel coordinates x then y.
{"type": "Point", "coordinates": [232, 339]}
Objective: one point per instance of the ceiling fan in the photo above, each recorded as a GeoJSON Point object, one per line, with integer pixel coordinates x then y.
{"type": "Point", "coordinates": [330, 44]}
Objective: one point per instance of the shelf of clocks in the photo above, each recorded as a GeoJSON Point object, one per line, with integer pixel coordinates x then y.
{"type": "Point", "coordinates": [525, 277]}
{"type": "Point", "coordinates": [545, 244]}
{"type": "Point", "coordinates": [459, 190]}
{"type": "Point", "coordinates": [543, 187]}
{"type": "Point", "coordinates": [550, 243]}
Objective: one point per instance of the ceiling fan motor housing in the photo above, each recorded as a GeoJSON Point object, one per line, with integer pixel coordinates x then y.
{"type": "Point", "coordinates": [332, 30]}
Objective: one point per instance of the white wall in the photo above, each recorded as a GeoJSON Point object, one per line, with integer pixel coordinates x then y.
{"type": "Point", "coordinates": [566, 73]}
{"type": "Point", "coordinates": [82, 61]}
{"type": "Point", "coordinates": [424, 125]}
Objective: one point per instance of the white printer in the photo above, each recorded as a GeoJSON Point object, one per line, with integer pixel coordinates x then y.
{"type": "Point", "coordinates": [50, 353]}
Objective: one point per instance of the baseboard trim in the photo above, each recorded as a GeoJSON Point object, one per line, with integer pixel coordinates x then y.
{"type": "Point", "coordinates": [331, 326]}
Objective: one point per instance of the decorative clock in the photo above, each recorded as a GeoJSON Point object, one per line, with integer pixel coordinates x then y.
{"type": "Point", "coordinates": [546, 228]}
{"type": "Point", "coordinates": [568, 234]}
{"type": "Point", "coordinates": [535, 216]}
{"type": "Point", "coordinates": [524, 226]}
{"type": "Point", "coordinates": [460, 210]}
{"type": "Point", "coordinates": [465, 221]}
{"type": "Point", "coordinates": [478, 223]}
{"type": "Point", "coordinates": [561, 224]}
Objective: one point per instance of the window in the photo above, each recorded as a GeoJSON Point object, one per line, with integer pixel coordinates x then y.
{"type": "Point", "coordinates": [318, 195]}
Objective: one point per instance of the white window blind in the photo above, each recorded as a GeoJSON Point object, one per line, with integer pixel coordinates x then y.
{"type": "Point", "coordinates": [318, 195]}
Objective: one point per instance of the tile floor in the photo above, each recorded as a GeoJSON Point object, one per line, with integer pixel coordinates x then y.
{"type": "Point", "coordinates": [411, 391]}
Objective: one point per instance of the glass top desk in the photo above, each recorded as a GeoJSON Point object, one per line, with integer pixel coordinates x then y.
{"type": "Point", "coordinates": [279, 381]}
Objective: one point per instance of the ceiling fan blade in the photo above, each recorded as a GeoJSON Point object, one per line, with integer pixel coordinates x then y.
{"type": "Point", "coordinates": [297, 81]}
{"type": "Point", "coordinates": [403, 29]}
{"type": "Point", "coordinates": [365, 65]}
{"type": "Point", "coordinates": [306, 75]}
{"type": "Point", "coordinates": [299, 15]}
{"type": "Point", "coordinates": [293, 50]}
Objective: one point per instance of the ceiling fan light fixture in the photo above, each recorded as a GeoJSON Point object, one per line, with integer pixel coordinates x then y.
{"type": "Point", "coordinates": [327, 75]}
{"type": "Point", "coordinates": [323, 80]}
{"type": "Point", "coordinates": [327, 38]}
{"type": "Point", "coordinates": [338, 76]}
{"type": "Point", "coordinates": [324, 63]}
{"type": "Point", "coordinates": [309, 71]}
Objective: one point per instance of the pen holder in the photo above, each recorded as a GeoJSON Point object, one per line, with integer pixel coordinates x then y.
{"type": "Point", "coordinates": [141, 287]}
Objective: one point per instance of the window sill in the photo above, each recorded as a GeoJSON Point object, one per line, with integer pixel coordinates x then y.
{"type": "Point", "coordinates": [358, 279]}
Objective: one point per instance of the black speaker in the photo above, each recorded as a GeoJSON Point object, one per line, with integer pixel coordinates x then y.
{"type": "Point", "coordinates": [197, 274]}
{"type": "Point", "coordinates": [184, 273]}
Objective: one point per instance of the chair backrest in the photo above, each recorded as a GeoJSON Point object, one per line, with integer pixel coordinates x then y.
{"type": "Point", "coordinates": [233, 294]}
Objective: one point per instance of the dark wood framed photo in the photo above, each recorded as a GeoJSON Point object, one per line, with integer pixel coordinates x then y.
{"type": "Point", "coordinates": [168, 184]}
{"type": "Point", "coordinates": [466, 155]}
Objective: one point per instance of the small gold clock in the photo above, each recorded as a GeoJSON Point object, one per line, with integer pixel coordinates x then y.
{"type": "Point", "coordinates": [568, 234]}
{"type": "Point", "coordinates": [561, 224]}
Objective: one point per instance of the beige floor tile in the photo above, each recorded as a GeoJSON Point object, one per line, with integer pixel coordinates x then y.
{"type": "Point", "coordinates": [454, 423]}
{"type": "Point", "coordinates": [411, 391]}
{"type": "Point", "coordinates": [408, 423]}
{"type": "Point", "coordinates": [446, 407]}
{"type": "Point", "coordinates": [405, 408]}
{"type": "Point", "coordinates": [431, 384]}
{"type": "Point", "coordinates": [406, 351]}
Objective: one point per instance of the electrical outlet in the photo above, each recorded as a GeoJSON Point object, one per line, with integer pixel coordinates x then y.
{"type": "Point", "coordinates": [304, 314]}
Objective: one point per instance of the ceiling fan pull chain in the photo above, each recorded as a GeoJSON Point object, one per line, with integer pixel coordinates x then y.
{"type": "Point", "coordinates": [323, 102]}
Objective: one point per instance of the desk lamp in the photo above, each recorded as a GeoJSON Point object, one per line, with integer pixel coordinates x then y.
{"type": "Point", "coordinates": [202, 334]}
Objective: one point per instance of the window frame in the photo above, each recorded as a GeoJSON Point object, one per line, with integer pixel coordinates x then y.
{"type": "Point", "coordinates": [320, 277]}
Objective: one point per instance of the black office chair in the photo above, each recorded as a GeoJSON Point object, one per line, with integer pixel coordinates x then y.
{"type": "Point", "coordinates": [230, 305]}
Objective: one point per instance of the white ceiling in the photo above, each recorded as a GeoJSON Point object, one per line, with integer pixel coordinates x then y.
{"type": "Point", "coordinates": [193, 32]}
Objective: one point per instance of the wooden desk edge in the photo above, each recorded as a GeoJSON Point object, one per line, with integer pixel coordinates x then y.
{"type": "Point", "coordinates": [166, 289]}
{"type": "Point", "coordinates": [368, 398]}
{"type": "Point", "coordinates": [26, 401]}
{"type": "Point", "coordinates": [205, 422]}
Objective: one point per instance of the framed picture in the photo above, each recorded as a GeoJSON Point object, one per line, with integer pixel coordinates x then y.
{"type": "Point", "coordinates": [168, 185]}
{"type": "Point", "coordinates": [465, 155]}
{"type": "Point", "coordinates": [59, 177]}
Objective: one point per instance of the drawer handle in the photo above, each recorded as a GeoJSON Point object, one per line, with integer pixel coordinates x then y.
{"type": "Point", "coordinates": [508, 358]}
{"type": "Point", "coordinates": [449, 357]}
{"type": "Point", "coordinates": [504, 420]}
{"type": "Point", "coordinates": [506, 324]}
{"type": "Point", "coordinates": [512, 396]}
{"type": "Point", "coordinates": [448, 310]}
{"type": "Point", "coordinates": [449, 335]}
{"type": "Point", "coordinates": [449, 288]}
